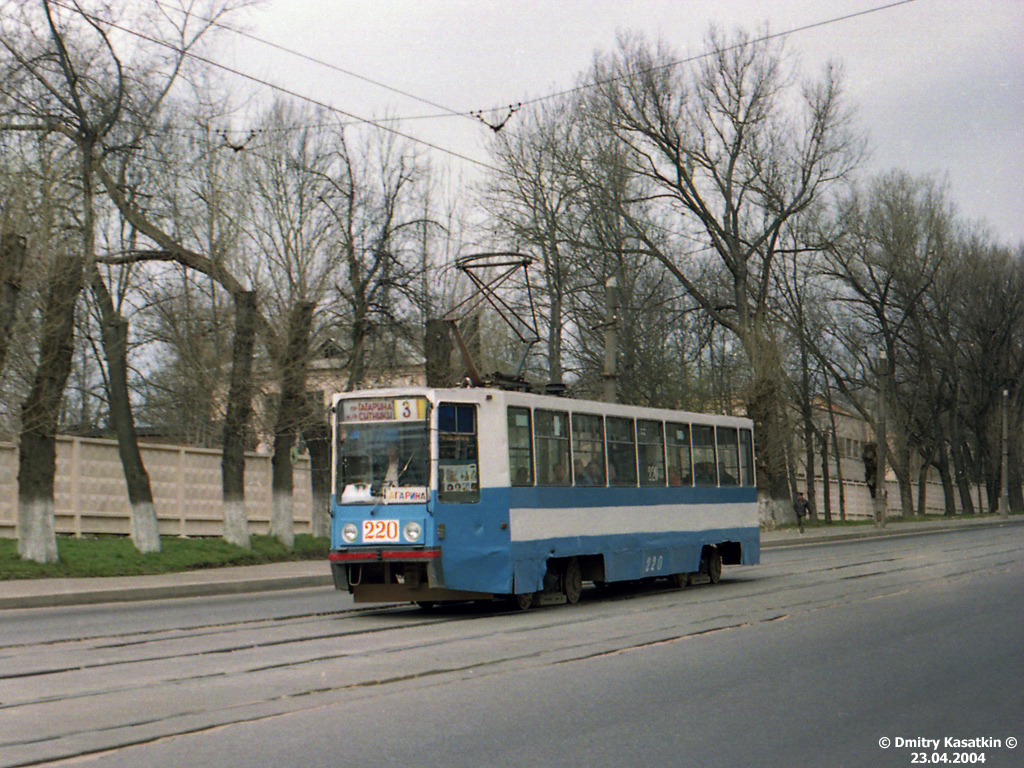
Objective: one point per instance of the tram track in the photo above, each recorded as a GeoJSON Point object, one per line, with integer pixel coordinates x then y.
{"type": "Point", "coordinates": [81, 696]}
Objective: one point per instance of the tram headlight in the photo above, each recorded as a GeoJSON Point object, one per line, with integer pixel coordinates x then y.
{"type": "Point", "coordinates": [349, 532]}
{"type": "Point", "coordinates": [413, 531]}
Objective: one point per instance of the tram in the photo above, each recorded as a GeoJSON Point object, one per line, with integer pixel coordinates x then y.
{"type": "Point", "coordinates": [478, 493]}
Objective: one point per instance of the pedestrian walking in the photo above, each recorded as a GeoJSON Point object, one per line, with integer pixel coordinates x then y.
{"type": "Point", "coordinates": [800, 506]}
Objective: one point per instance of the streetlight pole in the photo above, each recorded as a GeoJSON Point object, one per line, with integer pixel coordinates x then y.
{"type": "Point", "coordinates": [880, 492]}
{"type": "Point", "coordinates": [1004, 483]}
{"type": "Point", "coordinates": [611, 339]}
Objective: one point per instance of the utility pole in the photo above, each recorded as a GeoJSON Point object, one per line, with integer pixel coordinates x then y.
{"type": "Point", "coordinates": [881, 492]}
{"type": "Point", "coordinates": [1004, 482]}
{"type": "Point", "coordinates": [611, 339]}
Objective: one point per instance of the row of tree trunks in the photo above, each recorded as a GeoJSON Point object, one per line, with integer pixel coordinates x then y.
{"type": "Point", "coordinates": [40, 413]}
{"type": "Point", "coordinates": [239, 408]}
{"type": "Point", "coordinates": [145, 530]}
{"type": "Point", "coordinates": [291, 415]}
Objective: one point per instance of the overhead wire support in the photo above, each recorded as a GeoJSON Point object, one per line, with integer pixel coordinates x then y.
{"type": "Point", "coordinates": [496, 127]}
{"type": "Point", "coordinates": [259, 81]}
{"type": "Point", "coordinates": [326, 64]}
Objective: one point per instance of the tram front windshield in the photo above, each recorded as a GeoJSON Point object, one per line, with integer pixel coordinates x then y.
{"type": "Point", "coordinates": [379, 456]}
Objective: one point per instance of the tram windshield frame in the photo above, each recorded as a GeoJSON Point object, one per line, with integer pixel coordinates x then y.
{"type": "Point", "coordinates": [382, 450]}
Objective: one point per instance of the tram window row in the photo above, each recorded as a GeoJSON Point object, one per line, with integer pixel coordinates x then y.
{"type": "Point", "coordinates": [556, 448]}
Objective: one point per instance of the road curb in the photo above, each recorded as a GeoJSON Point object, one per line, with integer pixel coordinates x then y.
{"type": "Point", "coordinates": [129, 593]}
{"type": "Point", "coordinates": [897, 529]}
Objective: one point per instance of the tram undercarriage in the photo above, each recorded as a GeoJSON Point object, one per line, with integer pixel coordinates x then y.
{"type": "Point", "coordinates": [382, 581]}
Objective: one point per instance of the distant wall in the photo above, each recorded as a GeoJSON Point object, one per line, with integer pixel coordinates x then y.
{"type": "Point", "coordinates": [90, 496]}
{"type": "Point", "coordinates": [859, 504]}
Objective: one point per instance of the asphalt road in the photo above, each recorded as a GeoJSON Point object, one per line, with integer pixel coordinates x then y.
{"type": "Point", "coordinates": [813, 658]}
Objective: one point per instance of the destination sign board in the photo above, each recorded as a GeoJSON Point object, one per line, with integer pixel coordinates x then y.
{"type": "Point", "coordinates": [384, 409]}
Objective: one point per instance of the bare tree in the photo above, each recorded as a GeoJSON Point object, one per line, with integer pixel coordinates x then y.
{"type": "Point", "coordinates": [62, 90]}
{"type": "Point", "coordinates": [375, 202]}
{"type": "Point", "coordinates": [987, 351]}
{"type": "Point", "coordinates": [206, 208]}
{"type": "Point", "coordinates": [896, 240]}
{"type": "Point", "coordinates": [236, 417]}
{"type": "Point", "coordinates": [66, 77]}
{"type": "Point", "coordinates": [291, 416]}
{"type": "Point", "coordinates": [289, 227]}
{"type": "Point", "coordinates": [535, 204]}
{"type": "Point", "coordinates": [733, 149]}
{"type": "Point", "coordinates": [12, 263]}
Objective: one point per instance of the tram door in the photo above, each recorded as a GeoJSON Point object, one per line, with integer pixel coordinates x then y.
{"type": "Point", "coordinates": [458, 465]}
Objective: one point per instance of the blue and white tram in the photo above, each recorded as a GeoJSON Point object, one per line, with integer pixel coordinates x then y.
{"type": "Point", "coordinates": [464, 494]}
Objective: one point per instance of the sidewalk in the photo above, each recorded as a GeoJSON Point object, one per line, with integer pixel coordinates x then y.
{"type": "Point", "coordinates": [816, 534]}
{"type": "Point", "coordinates": [46, 593]}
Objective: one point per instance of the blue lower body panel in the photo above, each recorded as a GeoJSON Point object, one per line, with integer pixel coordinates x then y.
{"type": "Point", "coordinates": [630, 557]}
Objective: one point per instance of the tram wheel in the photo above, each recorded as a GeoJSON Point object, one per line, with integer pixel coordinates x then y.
{"type": "Point", "coordinates": [426, 605]}
{"type": "Point", "coordinates": [522, 601]}
{"type": "Point", "coordinates": [680, 579]}
{"type": "Point", "coordinates": [572, 581]}
{"type": "Point", "coordinates": [714, 564]}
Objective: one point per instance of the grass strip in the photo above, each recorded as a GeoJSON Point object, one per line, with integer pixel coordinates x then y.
{"type": "Point", "coordinates": [117, 556]}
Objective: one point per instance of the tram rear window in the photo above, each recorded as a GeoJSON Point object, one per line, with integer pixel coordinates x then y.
{"type": "Point", "coordinates": [746, 457]}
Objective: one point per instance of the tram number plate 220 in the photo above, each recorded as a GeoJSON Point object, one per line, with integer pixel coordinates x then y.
{"type": "Point", "coordinates": [380, 531]}
{"type": "Point", "coordinates": [654, 561]}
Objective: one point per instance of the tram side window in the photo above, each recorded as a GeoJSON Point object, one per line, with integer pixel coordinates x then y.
{"type": "Point", "coordinates": [588, 449]}
{"type": "Point", "coordinates": [520, 446]}
{"type": "Point", "coordinates": [746, 457]}
{"type": "Point", "coordinates": [704, 465]}
{"type": "Point", "coordinates": [458, 470]}
{"type": "Point", "coordinates": [551, 433]}
{"type": "Point", "coordinates": [621, 452]}
{"type": "Point", "coordinates": [728, 456]}
{"type": "Point", "coordinates": [651, 452]}
{"type": "Point", "coordinates": [677, 440]}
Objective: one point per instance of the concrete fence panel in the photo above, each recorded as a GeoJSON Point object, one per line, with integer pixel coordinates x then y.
{"type": "Point", "coordinates": [90, 495]}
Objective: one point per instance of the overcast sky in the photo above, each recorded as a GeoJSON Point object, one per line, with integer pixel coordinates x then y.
{"type": "Point", "coordinates": [938, 84]}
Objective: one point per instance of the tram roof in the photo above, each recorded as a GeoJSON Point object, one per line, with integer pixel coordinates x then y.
{"type": "Point", "coordinates": [482, 395]}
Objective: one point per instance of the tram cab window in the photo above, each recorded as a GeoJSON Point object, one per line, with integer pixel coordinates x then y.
{"type": "Point", "coordinates": [520, 446]}
{"type": "Point", "coordinates": [650, 452]}
{"type": "Point", "coordinates": [677, 444]}
{"type": "Point", "coordinates": [728, 456]}
{"type": "Point", "coordinates": [381, 450]}
{"type": "Point", "coordinates": [588, 449]}
{"type": "Point", "coordinates": [705, 468]}
{"type": "Point", "coordinates": [746, 457]}
{"type": "Point", "coordinates": [458, 470]}
{"type": "Point", "coordinates": [551, 432]}
{"type": "Point", "coordinates": [621, 452]}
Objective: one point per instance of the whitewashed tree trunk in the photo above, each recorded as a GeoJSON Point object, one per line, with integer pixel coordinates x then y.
{"type": "Point", "coordinates": [236, 523]}
{"type": "Point", "coordinates": [282, 518]}
{"type": "Point", "coordinates": [145, 527]}
{"type": "Point", "coordinates": [37, 539]}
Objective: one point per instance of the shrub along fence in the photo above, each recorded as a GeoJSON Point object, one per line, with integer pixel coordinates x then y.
{"type": "Point", "coordinates": [90, 496]}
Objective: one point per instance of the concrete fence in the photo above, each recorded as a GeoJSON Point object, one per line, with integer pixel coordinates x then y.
{"type": "Point", "coordinates": [90, 496]}
{"type": "Point", "coordinates": [860, 506]}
